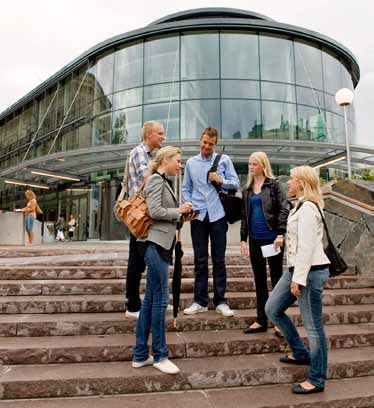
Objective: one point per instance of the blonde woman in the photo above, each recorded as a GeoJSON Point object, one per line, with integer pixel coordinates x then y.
{"type": "Point", "coordinates": [264, 218]}
{"type": "Point", "coordinates": [307, 275]}
{"type": "Point", "coordinates": [164, 210]}
{"type": "Point", "coordinates": [30, 213]}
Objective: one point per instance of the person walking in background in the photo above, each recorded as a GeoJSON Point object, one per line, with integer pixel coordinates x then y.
{"type": "Point", "coordinates": [305, 279]}
{"type": "Point", "coordinates": [60, 227]}
{"type": "Point", "coordinates": [164, 210]}
{"type": "Point", "coordinates": [30, 213]}
{"type": "Point", "coordinates": [264, 220]}
{"type": "Point", "coordinates": [211, 223]}
{"type": "Point", "coordinates": [72, 224]}
{"type": "Point", "coordinates": [139, 157]}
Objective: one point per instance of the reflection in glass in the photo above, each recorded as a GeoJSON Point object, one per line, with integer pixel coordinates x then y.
{"type": "Point", "coordinates": [240, 89]}
{"type": "Point", "coordinates": [197, 115]}
{"type": "Point", "coordinates": [311, 124]}
{"type": "Point", "coordinates": [200, 89]}
{"type": "Point", "coordinates": [102, 105]}
{"type": "Point", "coordinates": [346, 78]}
{"type": "Point", "coordinates": [277, 92]}
{"type": "Point", "coordinates": [104, 76]}
{"type": "Point", "coordinates": [161, 60]}
{"type": "Point", "coordinates": [200, 56]}
{"type": "Point", "coordinates": [276, 59]}
{"type": "Point", "coordinates": [279, 120]}
{"type": "Point", "coordinates": [161, 93]}
{"type": "Point", "coordinates": [308, 66]}
{"type": "Point", "coordinates": [101, 129]}
{"type": "Point", "coordinates": [335, 128]}
{"type": "Point", "coordinates": [308, 96]}
{"type": "Point", "coordinates": [241, 119]}
{"type": "Point", "coordinates": [239, 56]}
{"type": "Point", "coordinates": [168, 115]}
{"type": "Point", "coordinates": [128, 71]}
{"type": "Point", "coordinates": [331, 73]}
{"type": "Point", "coordinates": [124, 99]}
{"type": "Point", "coordinates": [331, 104]}
{"type": "Point", "coordinates": [127, 126]}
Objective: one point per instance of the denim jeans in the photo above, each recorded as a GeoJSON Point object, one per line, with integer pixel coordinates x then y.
{"type": "Point", "coordinates": [153, 310]}
{"type": "Point", "coordinates": [310, 303]}
{"type": "Point", "coordinates": [200, 233]}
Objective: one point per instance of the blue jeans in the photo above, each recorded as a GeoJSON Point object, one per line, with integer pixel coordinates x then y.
{"type": "Point", "coordinates": [29, 222]}
{"type": "Point", "coordinates": [153, 310]}
{"type": "Point", "coordinates": [310, 303]}
{"type": "Point", "coordinates": [200, 233]}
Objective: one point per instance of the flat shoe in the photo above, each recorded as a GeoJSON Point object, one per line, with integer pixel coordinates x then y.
{"type": "Point", "coordinates": [260, 329]}
{"type": "Point", "coordinates": [288, 360]}
{"type": "Point", "coordinates": [299, 389]}
{"type": "Point", "coordinates": [278, 334]}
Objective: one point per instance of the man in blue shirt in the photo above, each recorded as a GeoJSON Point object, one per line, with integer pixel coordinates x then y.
{"type": "Point", "coordinates": [211, 223]}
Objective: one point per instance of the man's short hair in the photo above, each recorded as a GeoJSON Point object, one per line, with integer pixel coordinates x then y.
{"type": "Point", "coordinates": [211, 132]}
{"type": "Point", "coordinates": [149, 126]}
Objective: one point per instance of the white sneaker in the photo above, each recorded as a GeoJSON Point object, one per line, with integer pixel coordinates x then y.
{"type": "Point", "coordinates": [136, 364]}
{"type": "Point", "coordinates": [169, 309]}
{"type": "Point", "coordinates": [194, 309]}
{"type": "Point", "coordinates": [166, 366]}
{"type": "Point", "coordinates": [134, 315]}
{"type": "Point", "coordinates": [225, 310]}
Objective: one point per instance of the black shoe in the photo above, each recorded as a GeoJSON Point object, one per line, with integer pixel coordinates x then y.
{"type": "Point", "coordinates": [299, 389]}
{"type": "Point", "coordinates": [278, 333]}
{"type": "Point", "coordinates": [288, 360]}
{"type": "Point", "coordinates": [261, 329]}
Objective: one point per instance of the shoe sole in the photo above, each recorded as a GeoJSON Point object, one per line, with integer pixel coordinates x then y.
{"type": "Point", "coordinates": [145, 364]}
{"type": "Point", "coordinates": [192, 313]}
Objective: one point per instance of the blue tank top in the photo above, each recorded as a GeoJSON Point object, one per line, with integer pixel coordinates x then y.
{"type": "Point", "coordinates": [258, 226]}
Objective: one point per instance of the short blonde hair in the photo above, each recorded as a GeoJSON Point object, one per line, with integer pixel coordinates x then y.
{"type": "Point", "coordinates": [164, 152]}
{"type": "Point", "coordinates": [263, 160]}
{"type": "Point", "coordinates": [149, 126]}
{"type": "Point", "coordinates": [309, 181]}
{"type": "Point", "coordinates": [30, 195]}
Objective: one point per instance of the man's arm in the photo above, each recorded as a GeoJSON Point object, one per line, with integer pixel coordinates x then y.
{"type": "Point", "coordinates": [187, 185]}
{"type": "Point", "coordinates": [230, 178]}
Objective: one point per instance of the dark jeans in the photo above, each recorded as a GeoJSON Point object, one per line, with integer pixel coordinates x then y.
{"type": "Point", "coordinates": [259, 270]}
{"type": "Point", "coordinates": [153, 310]}
{"type": "Point", "coordinates": [310, 304]}
{"type": "Point", "coordinates": [201, 231]}
{"type": "Point", "coordinates": [135, 268]}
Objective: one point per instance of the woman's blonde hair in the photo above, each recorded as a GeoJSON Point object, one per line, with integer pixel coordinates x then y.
{"type": "Point", "coordinates": [263, 160]}
{"type": "Point", "coordinates": [309, 181]}
{"type": "Point", "coordinates": [165, 152]}
{"type": "Point", "coordinates": [30, 195]}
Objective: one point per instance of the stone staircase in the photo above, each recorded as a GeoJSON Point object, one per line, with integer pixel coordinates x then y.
{"type": "Point", "coordinates": [65, 342]}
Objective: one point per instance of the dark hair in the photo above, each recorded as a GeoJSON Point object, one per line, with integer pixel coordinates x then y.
{"type": "Point", "coordinates": [211, 132]}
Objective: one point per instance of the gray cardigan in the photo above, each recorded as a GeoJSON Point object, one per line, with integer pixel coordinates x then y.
{"type": "Point", "coordinates": [162, 206]}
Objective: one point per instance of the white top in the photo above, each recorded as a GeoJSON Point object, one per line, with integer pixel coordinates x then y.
{"type": "Point", "coordinates": [304, 241]}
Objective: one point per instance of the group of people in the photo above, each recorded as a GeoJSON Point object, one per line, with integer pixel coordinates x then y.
{"type": "Point", "coordinates": [267, 219]}
{"type": "Point", "coordinates": [61, 227]}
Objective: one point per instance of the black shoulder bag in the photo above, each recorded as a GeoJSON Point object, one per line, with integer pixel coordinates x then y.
{"type": "Point", "coordinates": [232, 204]}
{"type": "Point", "coordinates": [337, 265]}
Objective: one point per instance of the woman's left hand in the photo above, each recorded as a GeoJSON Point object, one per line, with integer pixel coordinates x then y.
{"type": "Point", "coordinates": [278, 243]}
{"type": "Point", "coordinates": [295, 290]}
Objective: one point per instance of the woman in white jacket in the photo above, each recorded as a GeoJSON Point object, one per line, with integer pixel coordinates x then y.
{"type": "Point", "coordinates": [305, 279]}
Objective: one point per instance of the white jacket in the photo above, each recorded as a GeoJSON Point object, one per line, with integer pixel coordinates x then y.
{"type": "Point", "coordinates": [304, 241]}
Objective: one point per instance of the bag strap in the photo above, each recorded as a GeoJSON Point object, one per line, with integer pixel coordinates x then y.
{"type": "Point", "coordinates": [213, 169]}
{"type": "Point", "coordinates": [125, 181]}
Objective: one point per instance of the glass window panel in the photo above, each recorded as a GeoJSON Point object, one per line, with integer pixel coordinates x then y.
{"type": "Point", "coordinates": [241, 89]}
{"type": "Point", "coordinates": [102, 104]}
{"type": "Point", "coordinates": [243, 49]}
{"type": "Point", "coordinates": [161, 93]}
{"type": "Point", "coordinates": [128, 71]}
{"type": "Point", "coordinates": [200, 89]}
{"type": "Point", "coordinates": [277, 92]}
{"type": "Point", "coordinates": [103, 74]}
{"type": "Point", "coordinates": [311, 124]}
{"type": "Point", "coordinates": [331, 104]}
{"type": "Point", "coordinates": [308, 66]}
{"type": "Point", "coordinates": [101, 130]}
{"type": "Point", "coordinates": [200, 56]}
{"type": "Point", "coordinates": [241, 119]}
{"type": "Point", "coordinates": [197, 115]}
{"type": "Point", "coordinates": [346, 79]}
{"type": "Point", "coordinates": [279, 120]}
{"type": "Point", "coordinates": [331, 73]}
{"type": "Point", "coordinates": [335, 128]}
{"type": "Point", "coordinates": [276, 59]}
{"type": "Point", "coordinates": [168, 115]}
{"type": "Point", "coordinates": [161, 60]}
{"type": "Point", "coordinates": [127, 126]}
{"type": "Point", "coordinates": [124, 99]}
{"type": "Point", "coordinates": [308, 96]}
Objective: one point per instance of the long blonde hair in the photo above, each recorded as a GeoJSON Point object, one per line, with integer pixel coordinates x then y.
{"type": "Point", "coordinates": [263, 160]}
{"type": "Point", "coordinates": [310, 184]}
{"type": "Point", "coordinates": [30, 195]}
{"type": "Point", "coordinates": [165, 152]}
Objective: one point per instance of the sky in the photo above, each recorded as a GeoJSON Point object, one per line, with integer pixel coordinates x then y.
{"type": "Point", "coordinates": [39, 37]}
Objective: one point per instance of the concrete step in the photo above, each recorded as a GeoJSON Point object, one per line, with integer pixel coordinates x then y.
{"type": "Point", "coordinates": [74, 324]}
{"type": "Point", "coordinates": [117, 286]}
{"type": "Point", "coordinates": [80, 349]}
{"type": "Point", "coordinates": [344, 393]}
{"type": "Point", "coordinates": [87, 379]}
{"type": "Point", "coordinates": [115, 303]}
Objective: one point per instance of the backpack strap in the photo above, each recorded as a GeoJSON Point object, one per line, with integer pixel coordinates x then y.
{"type": "Point", "coordinates": [213, 169]}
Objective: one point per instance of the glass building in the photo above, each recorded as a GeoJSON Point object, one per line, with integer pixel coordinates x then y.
{"type": "Point", "coordinates": [265, 85]}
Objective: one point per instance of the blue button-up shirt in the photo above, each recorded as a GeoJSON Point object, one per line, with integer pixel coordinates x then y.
{"type": "Point", "coordinates": [200, 192]}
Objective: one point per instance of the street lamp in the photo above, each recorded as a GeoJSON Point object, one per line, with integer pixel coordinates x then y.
{"type": "Point", "coordinates": [344, 97]}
